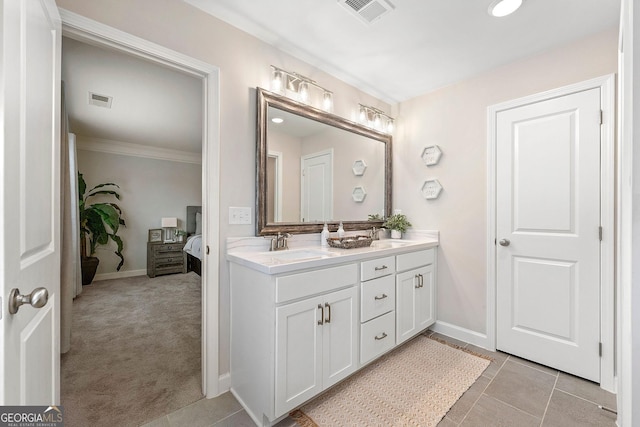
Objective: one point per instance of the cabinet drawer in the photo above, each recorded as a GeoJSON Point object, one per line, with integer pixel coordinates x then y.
{"type": "Point", "coordinates": [377, 297]}
{"type": "Point", "coordinates": [169, 257]}
{"type": "Point", "coordinates": [160, 249]}
{"type": "Point", "coordinates": [315, 282]}
{"type": "Point", "coordinates": [415, 259]}
{"type": "Point", "coordinates": [377, 336]}
{"type": "Point", "coordinates": [377, 268]}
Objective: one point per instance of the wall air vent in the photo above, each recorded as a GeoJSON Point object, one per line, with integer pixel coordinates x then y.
{"type": "Point", "coordinates": [100, 100]}
{"type": "Point", "coordinates": [367, 11]}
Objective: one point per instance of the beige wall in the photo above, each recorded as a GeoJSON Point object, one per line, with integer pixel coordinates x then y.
{"type": "Point", "coordinates": [455, 118]}
{"type": "Point", "coordinates": [244, 64]}
{"type": "Point", "coordinates": [347, 148]}
{"type": "Point", "coordinates": [150, 189]}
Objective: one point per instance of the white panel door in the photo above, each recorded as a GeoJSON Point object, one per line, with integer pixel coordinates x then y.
{"type": "Point", "coordinates": [339, 343]}
{"type": "Point", "coordinates": [298, 353]}
{"type": "Point", "coordinates": [317, 187]}
{"type": "Point", "coordinates": [548, 218]}
{"type": "Point", "coordinates": [30, 184]}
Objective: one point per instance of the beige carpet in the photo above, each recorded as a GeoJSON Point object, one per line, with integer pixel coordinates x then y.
{"type": "Point", "coordinates": [414, 385]}
{"type": "Point", "coordinates": [135, 351]}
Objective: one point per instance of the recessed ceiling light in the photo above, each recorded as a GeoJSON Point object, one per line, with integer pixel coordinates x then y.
{"type": "Point", "coordinates": [500, 8]}
{"type": "Point", "coordinates": [277, 120]}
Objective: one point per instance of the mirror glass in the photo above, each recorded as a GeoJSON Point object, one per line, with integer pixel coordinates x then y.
{"type": "Point", "coordinates": [315, 167]}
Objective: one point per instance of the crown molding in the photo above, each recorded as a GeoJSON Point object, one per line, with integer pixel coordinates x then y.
{"type": "Point", "coordinates": [136, 150]}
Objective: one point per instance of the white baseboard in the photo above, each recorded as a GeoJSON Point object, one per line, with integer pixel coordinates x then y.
{"type": "Point", "coordinates": [224, 383]}
{"type": "Point", "coordinates": [462, 334]}
{"type": "Point", "coordinates": [119, 275]}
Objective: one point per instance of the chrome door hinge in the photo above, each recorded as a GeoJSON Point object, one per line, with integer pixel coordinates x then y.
{"type": "Point", "coordinates": [600, 233]}
{"type": "Point", "coordinates": [600, 349]}
{"type": "Point", "coordinates": [601, 117]}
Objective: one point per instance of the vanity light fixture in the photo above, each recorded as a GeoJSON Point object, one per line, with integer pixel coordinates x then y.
{"type": "Point", "coordinates": [500, 8]}
{"type": "Point", "coordinates": [376, 119]}
{"type": "Point", "coordinates": [291, 83]}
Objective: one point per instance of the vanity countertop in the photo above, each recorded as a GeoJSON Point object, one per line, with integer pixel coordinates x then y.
{"type": "Point", "coordinates": [313, 256]}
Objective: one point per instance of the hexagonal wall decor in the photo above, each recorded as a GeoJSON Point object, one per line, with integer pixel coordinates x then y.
{"type": "Point", "coordinates": [359, 166]}
{"type": "Point", "coordinates": [431, 189]}
{"type": "Point", "coordinates": [431, 155]}
{"type": "Point", "coordinates": [358, 194]}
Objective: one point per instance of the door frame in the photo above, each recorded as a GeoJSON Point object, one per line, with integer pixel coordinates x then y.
{"type": "Point", "coordinates": [89, 31]}
{"type": "Point", "coordinates": [277, 207]}
{"type": "Point", "coordinates": [606, 84]}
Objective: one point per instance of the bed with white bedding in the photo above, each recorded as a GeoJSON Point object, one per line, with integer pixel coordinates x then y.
{"type": "Point", "coordinates": [193, 247]}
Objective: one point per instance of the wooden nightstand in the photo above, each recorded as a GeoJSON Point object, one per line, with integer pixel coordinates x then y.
{"type": "Point", "coordinates": [166, 258]}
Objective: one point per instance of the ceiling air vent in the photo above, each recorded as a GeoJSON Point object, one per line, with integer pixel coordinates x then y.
{"type": "Point", "coordinates": [368, 11]}
{"type": "Point", "coordinates": [100, 100]}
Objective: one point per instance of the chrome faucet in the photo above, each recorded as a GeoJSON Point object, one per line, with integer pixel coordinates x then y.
{"type": "Point", "coordinates": [374, 233]}
{"type": "Point", "coordinates": [279, 242]}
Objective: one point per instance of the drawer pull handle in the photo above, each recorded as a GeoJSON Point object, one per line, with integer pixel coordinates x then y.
{"type": "Point", "coordinates": [417, 282]}
{"type": "Point", "coordinates": [381, 337]}
{"type": "Point", "coordinates": [384, 267]}
{"type": "Point", "coordinates": [328, 319]}
{"type": "Point", "coordinates": [383, 296]}
{"type": "Point", "coordinates": [321, 321]}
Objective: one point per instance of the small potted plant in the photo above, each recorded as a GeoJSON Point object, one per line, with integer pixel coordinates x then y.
{"type": "Point", "coordinates": [180, 235]}
{"type": "Point", "coordinates": [398, 224]}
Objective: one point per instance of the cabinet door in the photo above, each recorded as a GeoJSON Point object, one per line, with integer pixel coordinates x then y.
{"type": "Point", "coordinates": [414, 302]}
{"type": "Point", "coordinates": [298, 375]}
{"type": "Point", "coordinates": [425, 299]}
{"type": "Point", "coordinates": [339, 343]}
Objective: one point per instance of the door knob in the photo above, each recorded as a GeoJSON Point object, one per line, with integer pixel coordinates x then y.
{"type": "Point", "coordinates": [37, 298]}
{"type": "Point", "coordinates": [504, 242]}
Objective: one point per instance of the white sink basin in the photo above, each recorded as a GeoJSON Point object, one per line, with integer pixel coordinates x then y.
{"type": "Point", "coordinates": [299, 254]}
{"type": "Point", "coordinates": [386, 244]}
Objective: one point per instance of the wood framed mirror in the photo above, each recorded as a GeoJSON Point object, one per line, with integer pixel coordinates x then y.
{"type": "Point", "coordinates": [305, 169]}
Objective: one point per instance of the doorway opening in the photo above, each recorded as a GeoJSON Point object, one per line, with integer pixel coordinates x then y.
{"type": "Point", "coordinates": [84, 30]}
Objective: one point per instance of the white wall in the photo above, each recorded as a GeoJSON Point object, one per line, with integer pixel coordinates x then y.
{"type": "Point", "coordinates": [455, 119]}
{"type": "Point", "coordinates": [244, 64]}
{"type": "Point", "coordinates": [150, 189]}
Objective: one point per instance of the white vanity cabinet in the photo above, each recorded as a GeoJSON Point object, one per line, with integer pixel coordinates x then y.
{"type": "Point", "coordinates": [292, 336]}
{"type": "Point", "coordinates": [315, 346]}
{"type": "Point", "coordinates": [415, 293]}
{"type": "Point", "coordinates": [299, 328]}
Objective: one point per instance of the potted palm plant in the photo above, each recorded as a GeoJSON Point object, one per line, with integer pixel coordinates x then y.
{"type": "Point", "coordinates": [99, 223]}
{"type": "Point", "coordinates": [398, 224]}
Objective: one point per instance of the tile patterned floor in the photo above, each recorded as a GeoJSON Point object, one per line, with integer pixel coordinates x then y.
{"type": "Point", "coordinates": [512, 392]}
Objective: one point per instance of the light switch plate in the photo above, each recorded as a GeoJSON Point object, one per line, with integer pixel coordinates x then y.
{"type": "Point", "coordinates": [239, 215]}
